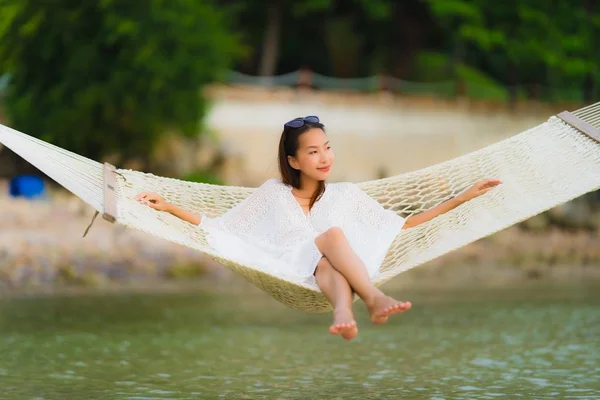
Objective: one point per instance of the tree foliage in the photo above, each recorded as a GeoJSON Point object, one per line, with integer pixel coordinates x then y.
{"type": "Point", "coordinates": [111, 76]}
{"type": "Point", "coordinates": [536, 43]}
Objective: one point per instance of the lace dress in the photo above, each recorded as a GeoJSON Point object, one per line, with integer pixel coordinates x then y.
{"type": "Point", "coordinates": [270, 232]}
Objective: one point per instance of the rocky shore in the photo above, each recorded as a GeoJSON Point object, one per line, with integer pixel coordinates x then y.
{"type": "Point", "coordinates": [41, 246]}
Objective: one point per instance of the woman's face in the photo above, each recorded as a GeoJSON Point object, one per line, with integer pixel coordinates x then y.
{"type": "Point", "coordinates": [314, 156]}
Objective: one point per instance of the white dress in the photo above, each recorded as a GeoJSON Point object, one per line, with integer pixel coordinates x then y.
{"type": "Point", "coordinates": [269, 231]}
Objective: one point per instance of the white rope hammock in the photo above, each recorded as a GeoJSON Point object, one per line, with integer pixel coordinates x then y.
{"type": "Point", "coordinates": [542, 167]}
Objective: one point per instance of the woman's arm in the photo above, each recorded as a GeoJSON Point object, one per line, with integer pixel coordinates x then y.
{"type": "Point", "coordinates": [476, 190]}
{"type": "Point", "coordinates": [430, 214]}
{"type": "Point", "coordinates": [156, 202]}
{"type": "Point", "coordinates": [184, 214]}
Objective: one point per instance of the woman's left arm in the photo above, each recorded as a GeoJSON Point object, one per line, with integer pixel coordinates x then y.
{"type": "Point", "coordinates": [476, 190]}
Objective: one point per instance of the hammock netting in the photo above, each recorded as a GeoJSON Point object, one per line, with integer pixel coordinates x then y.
{"type": "Point", "coordinates": [541, 168]}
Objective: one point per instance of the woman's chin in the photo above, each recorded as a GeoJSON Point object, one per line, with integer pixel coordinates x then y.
{"type": "Point", "coordinates": [319, 175]}
{"type": "Point", "coordinates": [322, 175]}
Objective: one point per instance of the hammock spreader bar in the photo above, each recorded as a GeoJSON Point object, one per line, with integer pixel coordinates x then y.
{"type": "Point", "coordinates": [580, 125]}
{"type": "Point", "coordinates": [110, 199]}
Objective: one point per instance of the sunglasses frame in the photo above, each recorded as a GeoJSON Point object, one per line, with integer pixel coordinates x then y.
{"type": "Point", "coordinates": [300, 121]}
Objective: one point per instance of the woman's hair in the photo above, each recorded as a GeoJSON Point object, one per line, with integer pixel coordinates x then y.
{"type": "Point", "coordinates": [288, 146]}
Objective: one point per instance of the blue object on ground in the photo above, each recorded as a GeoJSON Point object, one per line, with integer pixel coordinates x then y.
{"type": "Point", "coordinates": [28, 186]}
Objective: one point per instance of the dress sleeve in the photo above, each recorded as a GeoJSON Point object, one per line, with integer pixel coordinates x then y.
{"type": "Point", "coordinates": [371, 214]}
{"type": "Point", "coordinates": [248, 214]}
{"type": "Point", "coordinates": [370, 227]}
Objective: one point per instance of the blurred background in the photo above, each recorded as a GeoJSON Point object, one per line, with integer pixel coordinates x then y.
{"type": "Point", "coordinates": [199, 90]}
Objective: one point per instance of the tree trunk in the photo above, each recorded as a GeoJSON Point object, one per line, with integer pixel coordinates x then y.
{"type": "Point", "coordinates": [458, 56]}
{"type": "Point", "coordinates": [270, 51]}
{"type": "Point", "coordinates": [588, 83]}
{"type": "Point", "coordinates": [409, 34]}
{"type": "Point", "coordinates": [512, 83]}
{"type": "Point", "coordinates": [588, 88]}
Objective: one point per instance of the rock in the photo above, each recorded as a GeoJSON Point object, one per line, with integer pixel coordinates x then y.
{"type": "Point", "coordinates": [534, 274]}
{"type": "Point", "coordinates": [536, 223]}
{"type": "Point", "coordinates": [575, 214]}
{"type": "Point", "coordinates": [94, 279]}
{"type": "Point", "coordinates": [185, 271]}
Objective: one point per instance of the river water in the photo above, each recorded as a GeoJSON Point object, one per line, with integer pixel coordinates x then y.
{"type": "Point", "coordinates": [539, 342]}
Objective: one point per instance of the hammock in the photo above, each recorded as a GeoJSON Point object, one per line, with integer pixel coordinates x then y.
{"type": "Point", "coordinates": [541, 167]}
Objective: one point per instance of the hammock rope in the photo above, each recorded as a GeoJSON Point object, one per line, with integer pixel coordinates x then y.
{"type": "Point", "coordinates": [541, 168]}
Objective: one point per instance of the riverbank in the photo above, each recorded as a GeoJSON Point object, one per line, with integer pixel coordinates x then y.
{"type": "Point", "coordinates": [42, 245]}
{"type": "Point", "coordinates": [42, 248]}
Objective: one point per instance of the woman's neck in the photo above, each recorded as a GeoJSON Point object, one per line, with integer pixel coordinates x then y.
{"type": "Point", "coordinates": [308, 186]}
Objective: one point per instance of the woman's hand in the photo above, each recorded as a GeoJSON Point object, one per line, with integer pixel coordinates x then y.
{"type": "Point", "coordinates": [153, 200]}
{"type": "Point", "coordinates": [478, 189]}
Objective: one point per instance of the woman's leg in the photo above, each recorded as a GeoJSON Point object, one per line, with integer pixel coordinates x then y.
{"type": "Point", "coordinates": [337, 290]}
{"type": "Point", "coordinates": [336, 248]}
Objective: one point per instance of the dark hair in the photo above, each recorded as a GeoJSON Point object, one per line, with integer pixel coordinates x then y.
{"type": "Point", "coordinates": [288, 146]}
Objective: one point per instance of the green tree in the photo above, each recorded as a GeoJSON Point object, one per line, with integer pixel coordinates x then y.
{"type": "Point", "coordinates": [463, 22]}
{"type": "Point", "coordinates": [525, 40]}
{"type": "Point", "coordinates": [111, 76]}
{"type": "Point", "coordinates": [570, 49]}
{"type": "Point", "coordinates": [274, 15]}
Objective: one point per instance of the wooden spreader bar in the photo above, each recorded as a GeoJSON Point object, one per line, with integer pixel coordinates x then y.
{"type": "Point", "coordinates": [110, 199]}
{"type": "Point", "coordinates": [580, 125]}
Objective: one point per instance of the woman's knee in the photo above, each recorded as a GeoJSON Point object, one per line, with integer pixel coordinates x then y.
{"type": "Point", "coordinates": [331, 236]}
{"type": "Point", "coordinates": [323, 266]}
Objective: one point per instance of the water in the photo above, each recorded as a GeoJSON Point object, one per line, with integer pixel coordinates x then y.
{"type": "Point", "coordinates": [455, 344]}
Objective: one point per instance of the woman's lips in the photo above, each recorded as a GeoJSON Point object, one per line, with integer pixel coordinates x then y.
{"type": "Point", "coordinates": [324, 169]}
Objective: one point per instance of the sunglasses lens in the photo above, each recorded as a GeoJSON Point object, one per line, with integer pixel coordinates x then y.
{"type": "Point", "coordinates": [296, 123]}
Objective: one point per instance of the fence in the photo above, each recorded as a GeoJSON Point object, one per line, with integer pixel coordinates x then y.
{"type": "Point", "coordinates": [318, 81]}
{"type": "Point", "coordinates": [447, 88]}
{"type": "Point", "coordinates": [444, 89]}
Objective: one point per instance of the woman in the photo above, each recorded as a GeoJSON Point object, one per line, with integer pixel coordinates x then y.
{"type": "Point", "coordinates": [301, 228]}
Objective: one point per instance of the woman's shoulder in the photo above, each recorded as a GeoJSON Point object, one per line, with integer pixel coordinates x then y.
{"type": "Point", "coordinates": [342, 190]}
{"type": "Point", "coordinates": [273, 185]}
{"type": "Point", "coordinates": [338, 187]}
{"type": "Point", "coordinates": [267, 183]}
{"type": "Point", "coordinates": [343, 186]}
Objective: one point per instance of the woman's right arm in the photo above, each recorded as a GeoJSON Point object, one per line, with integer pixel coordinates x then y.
{"type": "Point", "coordinates": [156, 202]}
{"type": "Point", "coordinates": [183, 214]}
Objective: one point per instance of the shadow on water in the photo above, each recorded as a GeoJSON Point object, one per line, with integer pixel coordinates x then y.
{"type": "Point", "coordinates": [463, 343]}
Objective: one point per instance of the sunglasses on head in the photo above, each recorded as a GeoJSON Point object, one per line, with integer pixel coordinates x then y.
{"type": "Point", "coordinates": [298, 122]}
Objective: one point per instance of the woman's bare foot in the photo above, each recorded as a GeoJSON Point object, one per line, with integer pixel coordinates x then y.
{"type": "Point", "coordinates": [383, 306]}
{"type": "Point", "coordinates": [344, 324]}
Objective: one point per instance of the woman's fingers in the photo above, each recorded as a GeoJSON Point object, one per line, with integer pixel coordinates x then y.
{"type": "Point", "coordinates": [492, 182]}
{"type": "Point", "coordinates": [147, 196]}
{"type": "Point", "coordinates": [486, 184]}
{"type": "Point", "coordinates": [484, 190]}
{"type": "Point", "coordinates": [141, 195]}
{"type": "Point", "coordinates": [151, 200]}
